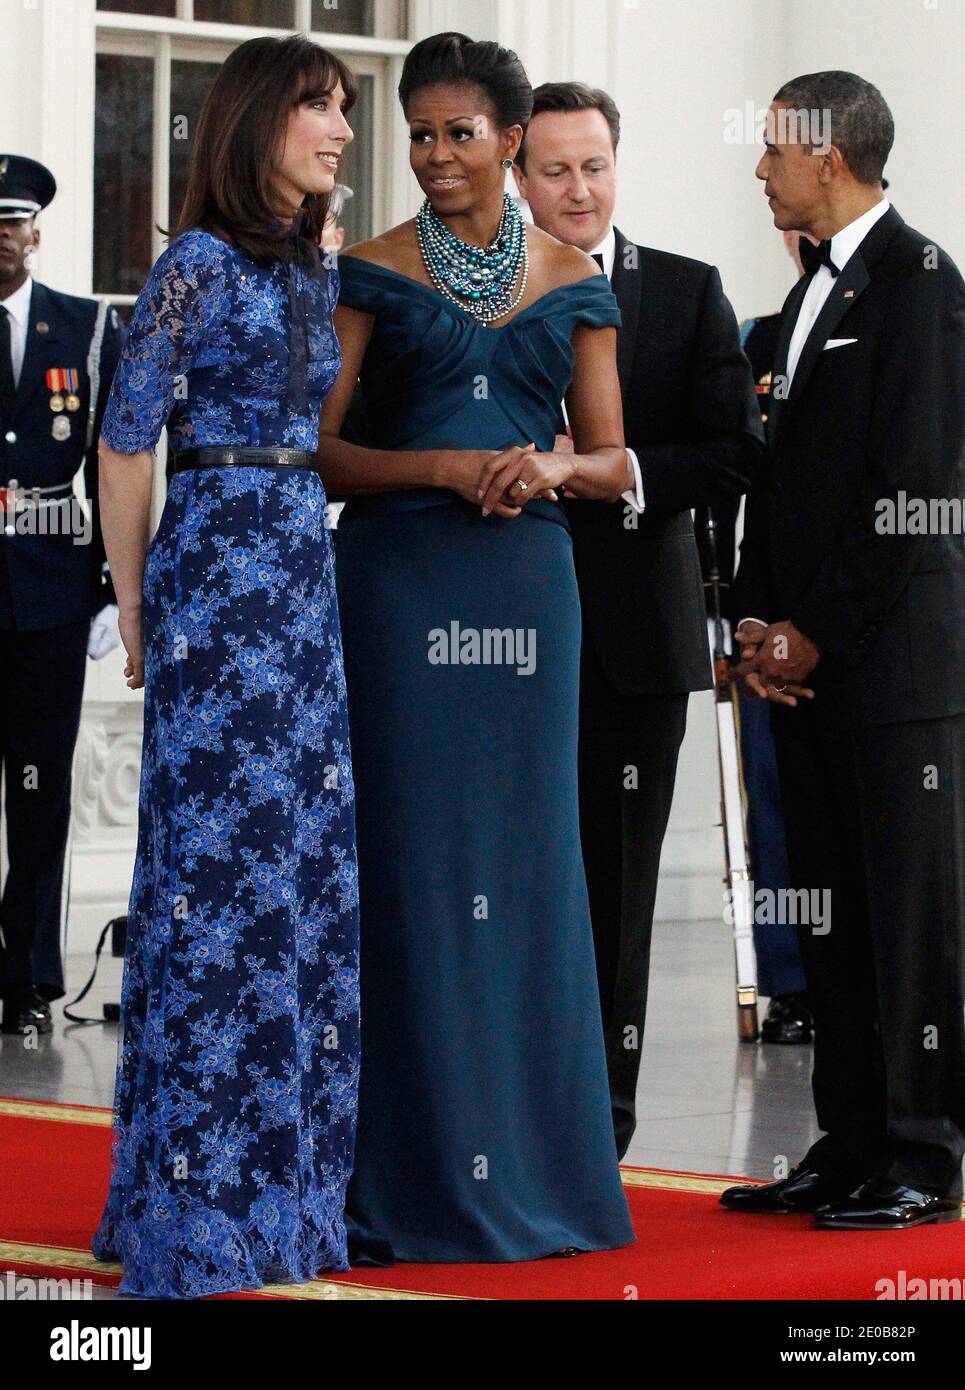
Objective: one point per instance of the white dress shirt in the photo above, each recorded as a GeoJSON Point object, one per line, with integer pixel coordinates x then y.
{"type": "Point", "coordinates": [607, 249]}
{"type": "Point", "coordinates": [843, 246]}
{"type": "Point", "coordinates": [17, 306]}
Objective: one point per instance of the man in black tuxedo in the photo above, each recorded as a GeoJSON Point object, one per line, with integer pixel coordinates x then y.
{"type": "Point", "coordinates": [693, 430]}
{"type": "Point", "coordinates": [853, 630]}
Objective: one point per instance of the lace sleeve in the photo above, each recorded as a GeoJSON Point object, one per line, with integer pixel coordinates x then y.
{"type": "Point", "coordinates": [186, 297]}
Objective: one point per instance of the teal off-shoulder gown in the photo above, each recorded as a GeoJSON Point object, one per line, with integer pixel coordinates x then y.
{"type": "Point", "coordinates": [484, 1128]}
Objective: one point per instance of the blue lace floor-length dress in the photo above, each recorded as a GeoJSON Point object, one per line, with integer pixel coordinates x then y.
{"type": "Point", "coordinates": [234, 1114]}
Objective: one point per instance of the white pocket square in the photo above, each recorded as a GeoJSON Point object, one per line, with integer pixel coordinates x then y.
{"type": "Point", "coordinates": [838, 342]}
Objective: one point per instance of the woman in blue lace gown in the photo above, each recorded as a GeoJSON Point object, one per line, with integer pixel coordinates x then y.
{"type": "Point", "coordinates": [484, 1116]}
{"type": "Point", "coordinates": [237, 1075]}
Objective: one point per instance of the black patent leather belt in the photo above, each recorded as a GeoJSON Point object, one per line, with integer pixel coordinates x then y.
{"type": "Point", "coordinates": [242, 457]}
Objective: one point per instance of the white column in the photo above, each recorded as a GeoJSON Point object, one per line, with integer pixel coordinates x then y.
{"type": "Point", "coordinates": [47, 113]}
{"type": "Point", "coordinates": [477, 18]}
{"type": "Point", "coordinates": [543, 36]}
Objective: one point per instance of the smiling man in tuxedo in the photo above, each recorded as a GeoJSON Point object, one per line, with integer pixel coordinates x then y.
{"type": "Point", "coordinates": [693, 429]}
{"type": "Point", "coordinates": [854, 631]}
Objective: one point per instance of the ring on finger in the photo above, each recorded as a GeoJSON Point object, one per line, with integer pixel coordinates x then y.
{"type": "Point", "coordinates": [779, 688]}
{"type": "Point", "coordinates": [523, 487]}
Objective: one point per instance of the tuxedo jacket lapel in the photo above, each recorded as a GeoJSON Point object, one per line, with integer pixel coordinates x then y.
{"type": "Point", "coordinates": [626, 287]}
{"type": "Point", "coordinates": [844, 293]}
{"type": "Point", "coordinates": [777, 402]}
{"type": "Point", "coordinates": [847, 289]}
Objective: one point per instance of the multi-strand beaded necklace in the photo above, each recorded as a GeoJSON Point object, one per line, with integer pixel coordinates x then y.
{"type": "Point", "coordinates": [479, 279]}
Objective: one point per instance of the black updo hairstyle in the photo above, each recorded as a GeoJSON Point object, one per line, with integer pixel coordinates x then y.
{"type": "Point", "coordinates": [453, 58]}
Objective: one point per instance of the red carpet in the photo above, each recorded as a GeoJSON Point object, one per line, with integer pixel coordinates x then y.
{"type": "Point", "coordinates": [54, 1162]}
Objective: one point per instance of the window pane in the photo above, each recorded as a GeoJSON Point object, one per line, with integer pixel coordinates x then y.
{"type": "Point", "coordinates": [273, 14]}
{"type": "Point", "coordinates": [123, 113]}
{"type": "Point", "coordinates": [355, 166]}
{"type": "Point", "coordinates": [386, 19]}
{"type": "Point", "coordinates": [189, 86]}
{"type": "Point", "coordinates": [165, 8]}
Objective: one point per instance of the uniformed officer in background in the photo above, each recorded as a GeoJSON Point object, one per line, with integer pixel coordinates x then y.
{"type": "Point", "coordinates": [57, 357]}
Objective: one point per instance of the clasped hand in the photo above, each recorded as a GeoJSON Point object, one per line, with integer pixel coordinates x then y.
{"type": "Point", "coordinates": [498, 482]}
{"type": "Point", "coordinates": [775, 660]}
{"type": "Point", "coordinates": [492, 480]}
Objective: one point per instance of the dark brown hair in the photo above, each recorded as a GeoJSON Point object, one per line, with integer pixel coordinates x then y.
{"type": "Point", "coordinates": [242, 122]}
{"type": "Point", "coordinates": [574, 96]}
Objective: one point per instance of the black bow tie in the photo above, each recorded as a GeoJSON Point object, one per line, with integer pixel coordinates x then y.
{"type": "Point", "coordinates": [599, 260]}
{"type": "Point", "coordinates": [813, 257]}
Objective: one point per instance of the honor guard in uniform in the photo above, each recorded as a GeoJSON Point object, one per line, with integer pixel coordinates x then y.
{"type": "Point", "coordinates": [57, 357]}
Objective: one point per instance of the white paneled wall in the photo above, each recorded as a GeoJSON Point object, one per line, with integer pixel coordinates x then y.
{"type": "Point", "coordinates": [914, 52]}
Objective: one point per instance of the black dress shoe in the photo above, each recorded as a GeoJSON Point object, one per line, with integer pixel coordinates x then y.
{"type": "Point", "coordinates": [25, 1012]}
{"type": "Point", "coordinates": [887, 1206]}
{"type": "Point", "coordinates": [803, 1190]}
{"type": "Point", "coordinates": [788, 1020]}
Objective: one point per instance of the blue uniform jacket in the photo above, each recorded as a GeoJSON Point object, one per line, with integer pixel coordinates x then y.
{"type": "Point", "coordinates": [47, 580]}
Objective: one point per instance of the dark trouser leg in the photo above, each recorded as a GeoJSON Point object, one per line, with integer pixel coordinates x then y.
{"type": "Point", "coordinates": [779, 968]}
{"type": "Point", "coordinates": [911, 780]}
{"type": "Point", "coordinates": [622, 831]}
{"type": "Point", "coordinates": [822, 819]}
{"type": "Point", "coordinates": [41, 688]}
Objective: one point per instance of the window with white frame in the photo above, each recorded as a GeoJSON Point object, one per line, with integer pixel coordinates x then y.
{"type": "Point", "coordinates": [155, 61]}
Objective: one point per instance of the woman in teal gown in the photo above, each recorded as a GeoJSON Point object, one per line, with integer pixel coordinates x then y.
{"type": "Point", "coordinates": [484, 1128]}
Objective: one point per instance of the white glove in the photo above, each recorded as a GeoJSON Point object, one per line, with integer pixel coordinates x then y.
{"type": "Point", "coordinates": [104, 632]}
{"type": "Point", "coordinates": [712, 634]}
